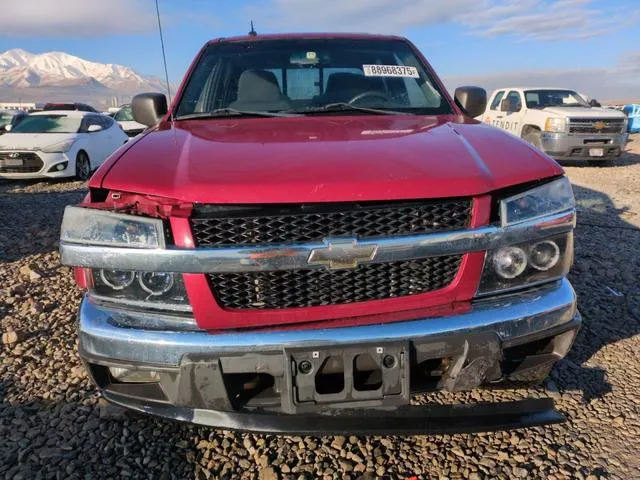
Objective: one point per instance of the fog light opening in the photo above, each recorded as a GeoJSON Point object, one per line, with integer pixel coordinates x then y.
{"type": "Point", "coordinates": [127, 375]}
{"type": "Point", "coordinates": [544, 255]}
{"type": "Point", "coordinates": [509, 262]}
{"type": "Point", "coordinates": [58, 167]}
{"type": "Point", "coordinates": [155, 283]}
{"type": "Point", "coordinates": [117, 279]}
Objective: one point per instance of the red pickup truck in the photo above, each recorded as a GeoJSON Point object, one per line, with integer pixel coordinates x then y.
{"type": "Point", "coordinates": [314, 232]}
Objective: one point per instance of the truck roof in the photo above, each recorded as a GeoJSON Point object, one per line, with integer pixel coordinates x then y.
{"type": "Point", "coordinates": [284, 36]}
{"type": "Point", "coordinates": [534, 88]}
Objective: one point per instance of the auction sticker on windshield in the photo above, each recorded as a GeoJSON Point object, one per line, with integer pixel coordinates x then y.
{"type": "Point", "coordinates": [390, 71]}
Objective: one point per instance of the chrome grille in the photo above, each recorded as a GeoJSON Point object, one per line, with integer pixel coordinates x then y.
{"type": "Point", "coordinates": [314, 288]}
{"type": "Point", "coordinates": [596, 125]}
{"type": "Point", "coordinates": [241, 225]}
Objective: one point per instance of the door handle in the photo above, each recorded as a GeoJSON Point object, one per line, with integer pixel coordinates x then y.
{"type": "Point", "coordinates": [500, 116]}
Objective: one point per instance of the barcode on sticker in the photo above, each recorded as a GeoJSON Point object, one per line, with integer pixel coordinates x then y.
{"type": "Point", "coordinates": [390, 71]}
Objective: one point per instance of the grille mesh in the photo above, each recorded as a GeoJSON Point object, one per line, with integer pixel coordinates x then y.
{"type": "Point", "coordinates": [313, 288]}
{"type": "Point", "coordinates": [239, 225]}
{"type": "Point", "coordinates": [25, 162]}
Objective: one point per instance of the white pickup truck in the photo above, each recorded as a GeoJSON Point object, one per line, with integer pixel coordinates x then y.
{"type": "Point", "coordinates": [558, 121]}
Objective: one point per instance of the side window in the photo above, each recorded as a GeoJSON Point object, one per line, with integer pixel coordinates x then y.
{"type": "Point", "coordinates": [107, 122]}
{"type": "Point", "coordinates": [514, 100]}
{"type": "Point", "coordinates": [331, 70]}
{"type": "Point", "coordinates": [278, 73]}
{"type": "Point", "coordinates": [496, 100]}
{"type": "Point", "coordinates": [303, 83]}
{"type": "Point", "coordinates": [92, 120]}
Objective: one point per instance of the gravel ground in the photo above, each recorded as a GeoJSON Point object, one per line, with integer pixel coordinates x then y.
{"type": "Point", "coordinates": [53, 424]}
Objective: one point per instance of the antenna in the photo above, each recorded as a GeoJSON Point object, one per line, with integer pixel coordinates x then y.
{"type": "Point", "coordinates": [164, 57]}
{"type": "Point", "coordinates": [253, 32]}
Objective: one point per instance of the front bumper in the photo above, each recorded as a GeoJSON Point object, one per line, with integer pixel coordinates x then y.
{"type": "Point", "coordinates": [254, 379]}
{"type": "Point", "coordinates": [49, 163]}
{"type": "Point", "coordinates": [565, 146]}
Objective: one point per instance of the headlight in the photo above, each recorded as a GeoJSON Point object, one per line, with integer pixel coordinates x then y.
{"type": "Point", "coordinates": [556, 125]}
{"type": "Point", "coordinates": [550, 198]}
{"type": "Point", "coordinates": [59, 147]}
{"type": "Point", "coordinates": [529, 263]}
{"type": "Point", "coordinates": [159, 290]}
{"type": "Point", "coordinates": [100, 227]}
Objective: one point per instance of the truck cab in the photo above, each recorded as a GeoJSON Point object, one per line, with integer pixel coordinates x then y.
{"type": "Point", "coordinates": [558, 121]}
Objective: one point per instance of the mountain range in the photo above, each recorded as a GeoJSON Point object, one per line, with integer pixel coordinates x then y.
{"type": "Point", "coordinates": [58, 76]}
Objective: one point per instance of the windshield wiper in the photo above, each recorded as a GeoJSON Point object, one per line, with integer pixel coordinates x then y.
{"type": "Point", "coordinates": [343, 106]}
{"type": "Point", "coordinates": [232, 112]}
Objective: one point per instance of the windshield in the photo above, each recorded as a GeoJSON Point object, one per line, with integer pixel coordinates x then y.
{"type": "Point", "coordinates": [5, 119]}
{"type": "Point", "coordinates": [125, 114]}
{"type": "Point", "coordinates": [303, 76]}
{"type": "Point", "coordinates": [49, 124]}
{"type": "Point", "coordinates": [553, 98]}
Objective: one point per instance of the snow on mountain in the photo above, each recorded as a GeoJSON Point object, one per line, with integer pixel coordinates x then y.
{"type": "Point", "coordinates": [22, 69]}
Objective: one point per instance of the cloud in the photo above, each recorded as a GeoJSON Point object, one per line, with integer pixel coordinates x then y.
{"type": "Point", "coordinates": [542, 20]}
{"type": "Point", "coordinates": [618, 84]}
{"type": "Point", "coordinates": [70, 18]}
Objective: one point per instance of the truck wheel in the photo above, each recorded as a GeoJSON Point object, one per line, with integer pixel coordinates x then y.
{"type": "Point", "coordinates": [534, 137]}
{"type": "Point", "coordinates": [83, 166]}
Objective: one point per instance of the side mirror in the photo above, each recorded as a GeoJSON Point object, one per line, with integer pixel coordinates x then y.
{"type": "Point", "coordinates": [94, 128]}
{"type": "Point", "coordinates": [594, 103]}
{"type": "Point", "coordinates": [7, 127]}
{"type": "Point", "coordinates": [149, 108]}
{"type": "Point", "coordinates": [472, 100]}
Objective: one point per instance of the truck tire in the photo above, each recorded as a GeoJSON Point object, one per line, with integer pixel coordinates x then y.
{"type": "Point", "coordinates": [534, 137]}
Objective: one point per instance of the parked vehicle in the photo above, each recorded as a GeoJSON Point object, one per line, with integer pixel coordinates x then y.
{"type": "Point", "coordinates": [559, 122]}
{"type": "Point", "coordinates": [10, 118]}
{"type": "Point", "coordinates": [82, 107]}
{"type": "Point", "coordinates": [315, 231]}
{"type": "Point", "coordinates": [125, 119]}
{"type": "Point", "coordinates": [54, 144]}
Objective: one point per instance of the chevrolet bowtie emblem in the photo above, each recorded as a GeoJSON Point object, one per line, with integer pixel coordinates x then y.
{"type": "Point", "coordinates": [342, 253]}
{"type": "Point", "coordinates": [599, 125]}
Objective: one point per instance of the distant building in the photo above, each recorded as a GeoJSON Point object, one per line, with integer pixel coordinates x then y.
{"type": "Point", "coordinates": [17, 105]}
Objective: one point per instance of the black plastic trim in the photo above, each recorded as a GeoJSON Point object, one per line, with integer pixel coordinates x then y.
{"type": "Point", "coordinates": [408, 420]}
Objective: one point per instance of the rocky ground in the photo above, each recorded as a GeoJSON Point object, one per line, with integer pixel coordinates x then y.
{"type": "Point", "coordinates": [53, 424]}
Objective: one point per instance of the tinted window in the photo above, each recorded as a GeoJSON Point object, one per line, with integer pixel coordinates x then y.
{"type": "Point", "coordinates": [553, 98]}
{"type": "Point", "coordinates": [304, 74]}
{"type": "Point", "coordinates": [107, 122]}
{"type": "Point", "coordinates": [496, 100]}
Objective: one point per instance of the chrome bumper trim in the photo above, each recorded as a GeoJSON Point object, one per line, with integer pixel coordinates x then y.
{"type": "Point", "coordinates": [296, 256]}
{"type": "Point", "coordinates": [511, 317]}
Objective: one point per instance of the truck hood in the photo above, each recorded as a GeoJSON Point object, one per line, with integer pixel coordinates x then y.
{"type": "Point", "coordinates": [584, 112]}
{"type": "Point", "coordinates": [32, 141]}
{"type": "Point", "coordinates": [323, 159]}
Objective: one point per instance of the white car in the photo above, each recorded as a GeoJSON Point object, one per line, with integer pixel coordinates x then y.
{"type": "Point", "coordinates": [124, 117]}
{"type": "Point", "coordinates": [559, 122]}
{"type": "Point", "coordinates": [54, 144]}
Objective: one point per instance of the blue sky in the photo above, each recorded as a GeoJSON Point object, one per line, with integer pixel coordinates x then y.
{"type": "Point", "coordinates": [594, 43]}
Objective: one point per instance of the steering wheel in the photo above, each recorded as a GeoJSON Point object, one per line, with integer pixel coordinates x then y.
{"type": "Point", "coordinates": [370, 93]}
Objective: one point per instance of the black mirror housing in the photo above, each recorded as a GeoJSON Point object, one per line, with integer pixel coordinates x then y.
{"type": "Point", "coordinates": [149, 108]}
{"type": "Point", "coordinates": [472, 100]}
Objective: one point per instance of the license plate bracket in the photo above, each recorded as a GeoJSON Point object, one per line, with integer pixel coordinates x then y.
{"type": "Point", "coordinates": [12, 162]}
{"type": "Point", "coordinates": [387, 366]}
{"type": "Point", "coordinates": [596, 152]}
